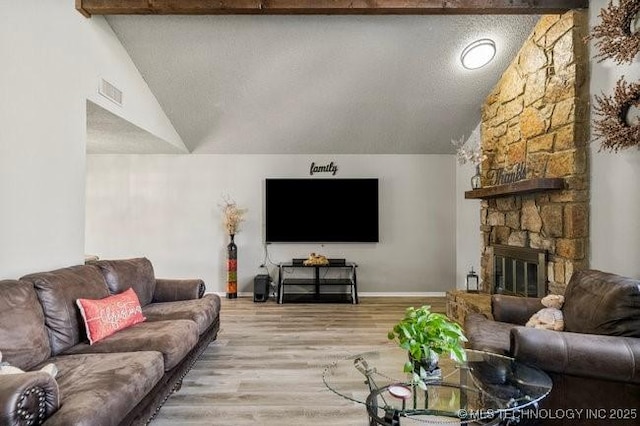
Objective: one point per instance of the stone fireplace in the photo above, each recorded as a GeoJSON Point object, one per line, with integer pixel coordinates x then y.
{"type": "Point", "coordinates": [535, 126]}
{"type": "Point", "coordinates": [534, 213]}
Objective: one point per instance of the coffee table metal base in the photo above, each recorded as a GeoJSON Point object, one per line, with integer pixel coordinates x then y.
{"type": "Point", "coordinates": [488, 389]}
{"type": "Point", "coordinates": [381, 415]}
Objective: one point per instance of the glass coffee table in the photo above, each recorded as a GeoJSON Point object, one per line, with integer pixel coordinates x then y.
{"type": "Point", "coordinates": [488, 389]}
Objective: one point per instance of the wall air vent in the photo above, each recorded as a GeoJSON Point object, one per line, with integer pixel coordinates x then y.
{"type": "Point", "coordinates": [110, 92]}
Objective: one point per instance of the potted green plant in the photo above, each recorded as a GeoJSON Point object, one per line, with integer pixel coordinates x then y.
{"type": "Point", "coordinates": [426, 335]}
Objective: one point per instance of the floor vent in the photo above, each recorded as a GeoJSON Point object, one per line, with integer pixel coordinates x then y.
{"type": "Point", "coordinates": [110, 92]}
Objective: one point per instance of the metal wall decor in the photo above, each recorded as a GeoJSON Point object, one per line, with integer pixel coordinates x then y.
{"type": "Point", "coordinates": [615, 36]}
{"type": "Point", "coordinates": [507, 175]}
{"type": "Point", "coordinates": [327, 168]}
{"type": "Point", "coordinates": [613, 126]}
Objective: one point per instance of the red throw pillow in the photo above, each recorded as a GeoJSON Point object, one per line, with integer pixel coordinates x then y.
{"type": "Point", "coordinates": [103, 317]}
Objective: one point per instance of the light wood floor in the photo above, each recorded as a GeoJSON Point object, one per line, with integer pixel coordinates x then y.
{"type": "Point", "coordinates": [266, 366]}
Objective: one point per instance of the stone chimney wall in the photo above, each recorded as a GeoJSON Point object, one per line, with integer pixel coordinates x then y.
{"type": "Point", "coordinates": [537, 115]}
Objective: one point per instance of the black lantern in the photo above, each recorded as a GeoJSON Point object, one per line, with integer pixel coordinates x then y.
{"type": "Point", "coordinates": [472, 281]}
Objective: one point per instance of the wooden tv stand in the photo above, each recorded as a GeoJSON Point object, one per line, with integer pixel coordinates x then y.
{"type": "Point", "coordinates": [317, 283]}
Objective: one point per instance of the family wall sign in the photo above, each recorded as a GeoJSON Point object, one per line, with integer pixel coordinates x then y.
{"type": "Point", "coordinates": [327, 168]}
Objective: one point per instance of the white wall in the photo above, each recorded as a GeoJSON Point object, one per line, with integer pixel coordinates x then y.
{"type": "Point", "coordinates": [166, 207]}
{"type": "Point", "coordinates": [468, 237]}
{"type": "Point", "coordinates": [52, 60]}
{"type": "Point", "coordinates": [615, 179]}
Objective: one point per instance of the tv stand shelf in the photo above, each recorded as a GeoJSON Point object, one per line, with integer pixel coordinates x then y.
{"type": "Point", "coordinates": [316, 295]}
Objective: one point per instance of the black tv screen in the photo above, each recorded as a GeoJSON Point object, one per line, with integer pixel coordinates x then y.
{"type": "Point", "coordinates": [321, 210]}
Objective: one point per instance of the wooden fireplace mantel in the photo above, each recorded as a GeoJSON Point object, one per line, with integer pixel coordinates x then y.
{"type": "Point", "coordinates": [517, 188]}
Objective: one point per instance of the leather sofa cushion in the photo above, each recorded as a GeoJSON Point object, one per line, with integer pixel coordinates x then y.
{"type": "Point", "coordinates": [578, 354]}
{"type": "Point", "coordinates": [23, 336]}
{"type": "Point", "coordinates": [100, 389]}
{"type": "Point", "coordinates": [58, 291]}
{"type": "Point", "coordinates": [173, 339]}
{"type": "Point", "coordinates": [202, 311]}
{"type": "Point", "coordinates": [598, 302]}
{"type": "Point", "coordinates": [122, 274]}
{"type": "Point", "coordinates": [488, 335]}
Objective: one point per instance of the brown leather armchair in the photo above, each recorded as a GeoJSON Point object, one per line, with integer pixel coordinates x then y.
{"type": "Point", "coordinates": [594, 363]}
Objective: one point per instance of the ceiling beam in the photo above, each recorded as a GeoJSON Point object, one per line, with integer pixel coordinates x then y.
{"type": "Point", "coordinates": [326, 7]}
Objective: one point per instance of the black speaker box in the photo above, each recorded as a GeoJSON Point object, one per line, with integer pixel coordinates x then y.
{"type": "Point", "coordinates": [261, 288]}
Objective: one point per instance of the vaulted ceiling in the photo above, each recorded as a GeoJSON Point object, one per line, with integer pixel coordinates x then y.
{"type": "Point", "coordinates": [313, 84]}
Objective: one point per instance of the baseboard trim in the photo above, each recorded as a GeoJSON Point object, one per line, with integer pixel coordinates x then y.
{"type": "Point", "coordinates": [224, 294]}
{"type": "Point", "coordinates": [360, 294]}
{"type": "Point", "coordinates": [402, 294]}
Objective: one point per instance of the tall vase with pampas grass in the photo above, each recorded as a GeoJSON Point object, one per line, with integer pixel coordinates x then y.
{"type": "Point", "coordinates": [232, 217]}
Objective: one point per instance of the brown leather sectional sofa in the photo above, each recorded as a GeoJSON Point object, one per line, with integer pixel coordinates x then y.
{"type": "Point", "coordinates": [594, 363]}
{"type": "Point", "coordinates": [121, 380]}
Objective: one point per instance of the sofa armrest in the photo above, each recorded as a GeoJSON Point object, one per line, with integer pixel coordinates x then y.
{"type": "Point", "coordinates": [170, 290]}
{"type": "Point", "coordinates": [584, 355]}
{"type": "Point", "coordinates": [27, 398]}
{"type": "Point", "coordinates": [514, 309]}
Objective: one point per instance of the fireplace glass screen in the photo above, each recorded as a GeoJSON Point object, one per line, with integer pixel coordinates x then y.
{"type": "Point", "coordinates": [519, 271]}
{"type": "Point", "coordinates": [516, 277]}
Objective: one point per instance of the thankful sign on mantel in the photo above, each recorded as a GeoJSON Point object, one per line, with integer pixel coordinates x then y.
{"type": "Point", "coordinates": [507, 175]}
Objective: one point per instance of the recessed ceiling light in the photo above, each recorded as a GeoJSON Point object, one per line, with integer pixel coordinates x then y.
{"type": "Point", "coordinates": [478, 54]}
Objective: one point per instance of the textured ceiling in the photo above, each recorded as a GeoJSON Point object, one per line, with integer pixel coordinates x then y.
{"type": "Point", "coordinates": [319, 84]}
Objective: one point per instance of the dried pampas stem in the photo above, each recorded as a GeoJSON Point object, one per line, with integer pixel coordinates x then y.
{"type": "Point", "coordinates": [232, 215]}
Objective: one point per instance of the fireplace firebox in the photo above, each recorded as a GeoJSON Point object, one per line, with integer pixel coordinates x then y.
{"type": "Point", "coordinates": [518, 271]}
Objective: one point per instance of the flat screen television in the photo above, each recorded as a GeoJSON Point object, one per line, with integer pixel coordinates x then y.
{"type": "Point", "coordinates": [308, 210]}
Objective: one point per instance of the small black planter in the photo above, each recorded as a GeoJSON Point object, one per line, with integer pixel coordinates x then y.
{"type": "Point", "coordinates": [429, 366]}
